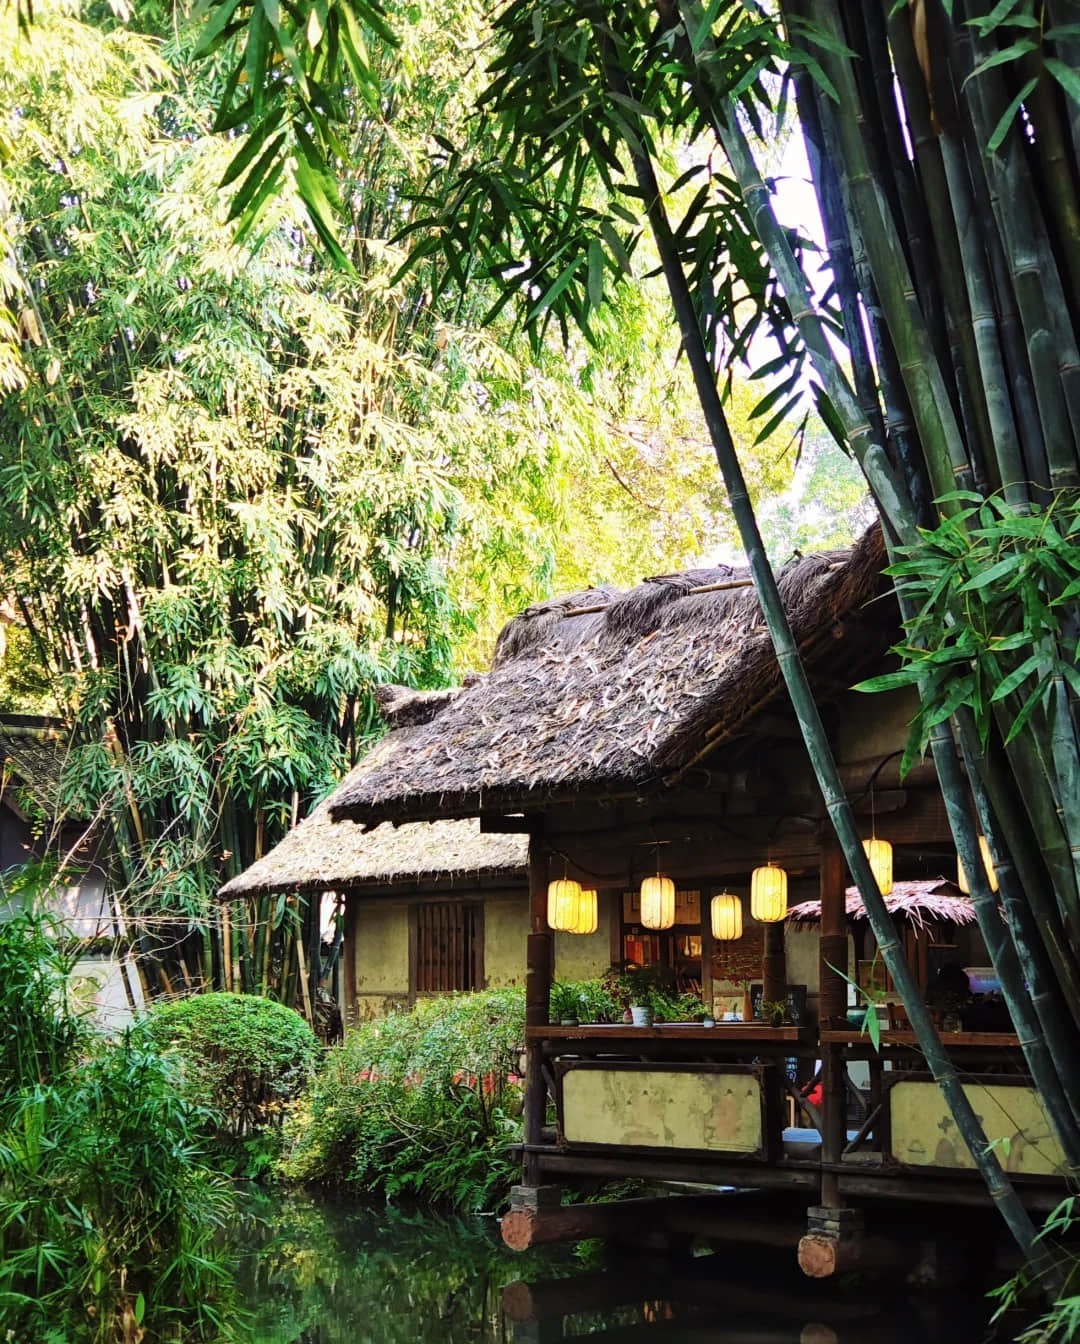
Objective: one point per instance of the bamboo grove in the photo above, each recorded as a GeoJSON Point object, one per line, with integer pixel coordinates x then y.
{"type": "Point", "coordinates": [943, 140]}
{"type": "Point", "coordinates": [241, 487]}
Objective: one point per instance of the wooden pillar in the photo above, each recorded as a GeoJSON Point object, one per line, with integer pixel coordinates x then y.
{"type": "Point", "coordinates": [832, 987]}
{"type": "Point", "coordinates": [538, 967]}
{"type": "Point", "coordinates": [832, 1005]}
{"type": "Point", "coordinates": [774, 966]}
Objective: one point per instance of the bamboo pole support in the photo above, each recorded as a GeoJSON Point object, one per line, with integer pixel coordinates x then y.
{"type": "Point", "coordinates": [537, 1001]}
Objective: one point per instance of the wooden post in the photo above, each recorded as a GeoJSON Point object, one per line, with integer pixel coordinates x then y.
{"type": "Point", "coordinates": [774, 967]}
{"type": "Point", "coordinates": [832, 1005]}
{"type": "Point", "coordinates": [537, 1000]}
{"type": "Point", "coordinates": [706, 951]}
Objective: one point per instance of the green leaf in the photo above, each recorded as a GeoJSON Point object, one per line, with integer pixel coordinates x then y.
{"type": "Point", "coordinates": [596, 274]}
{"type": "Point", "coordinates": [1030, 705]}
{"type": "Point", "coordinates": [1066, 76]}
{"type": "Point", "coordinates": [993, 574]}
{"type": "Point", "coordinates": [1001, 130]}
{"type": "Point", "coordinates": [1016, 677]}
{"type": "Point", "coordinates": [1004, 56]}
{"type": "Point", "coordinates": [890, 681]}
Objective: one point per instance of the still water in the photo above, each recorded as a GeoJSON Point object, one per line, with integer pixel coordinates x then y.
{"type": "Point", "coordinates": [316, 1271]}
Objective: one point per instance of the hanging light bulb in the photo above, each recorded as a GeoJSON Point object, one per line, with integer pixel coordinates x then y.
{"type": "Point", "coordinates": [768, 893]}
{"type": "Point", "coordinates": [879, 855]}
{"type": "Point", "coordinates": [988, 864]}
{"type": "Point", "coordinates": [587, 908]}
{"type": "Point", "coordinates": [726, 913]}
{"type": "Point", "coordinates": [564, 905]}
{"type": "Point", "coordinates": [657, 902]}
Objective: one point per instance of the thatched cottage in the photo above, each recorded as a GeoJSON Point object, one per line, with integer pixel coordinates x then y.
{"type": "Point", "coordinates": [647, 734]}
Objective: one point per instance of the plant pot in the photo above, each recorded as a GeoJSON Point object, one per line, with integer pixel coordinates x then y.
{"type": "Point", "coordinates": [640, 1015]}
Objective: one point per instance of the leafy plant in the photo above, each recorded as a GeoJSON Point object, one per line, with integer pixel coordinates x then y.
{"type": "Point", "coordinates": [585, 1000]}
{"type": "Point", "coordinates": [653, 987]}
{"type": "Point", "coordinates": [423, 1103]}
{"type": "Point", "coordinates": [108, 1210]}
{"type": "Point", "coordinates": [240, 1056]}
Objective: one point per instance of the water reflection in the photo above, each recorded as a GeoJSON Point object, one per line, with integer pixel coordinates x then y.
{"type": "Point", "coordinates": [315, 1271]}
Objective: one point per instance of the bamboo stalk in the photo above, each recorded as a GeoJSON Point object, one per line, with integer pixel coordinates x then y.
{"type": "Point", "coordinates": [814, 735]}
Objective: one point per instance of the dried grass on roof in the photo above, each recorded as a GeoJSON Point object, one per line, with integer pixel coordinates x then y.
{"type": "Point", "coordinates": [919, 903]}
{"type": "Point", "coordinates": [612, 700]}
{"type": "Point", "coordinates": [323, 855]}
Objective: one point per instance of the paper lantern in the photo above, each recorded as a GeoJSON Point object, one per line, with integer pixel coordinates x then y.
{"type": "Point", "coordinates": [988, 864]}
{"type": "Point", "coordinates": [658, 902]}
{"type": "Point", "coordinates": [879, 855]}
{"type": "Point", "coordinates": [564, 905]}
{"type": "Point", "coordinates": [586, 920]}
{"type": "Point", "coordinates": [726, 917]}
{"type": "Point", "coordinates": [768, 893]}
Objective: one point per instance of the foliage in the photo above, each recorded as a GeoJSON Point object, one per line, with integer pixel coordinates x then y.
{"type": "Point", "coordinates": [33, 973]}
{"type": "Point", "coordinates": [421, 1103]}
{"type": "Point", "coordinates": [1061, 1322]}
{"type": "Point", "coordinates": [108, 1211]}
{"type": "Point", "coordinates": [994, 630]}
{"type": "Point", "coordinates": [585, 1000]}
{"type": "Point", "coordinates": [241, 1056]}
{"type": "Point", "coordinates": [653, 987]}
{"type": "Point", "coordinates": [241, 488]}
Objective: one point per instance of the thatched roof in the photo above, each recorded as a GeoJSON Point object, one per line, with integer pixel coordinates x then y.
{"type": "Point", "coordinates": [920, 903]}
{"type": "Point", "coordinates": [625, 693]}
{"type": "Point", "coordinates": [32, 755]}
{"type": "Point", "coordinates": [323, 855]}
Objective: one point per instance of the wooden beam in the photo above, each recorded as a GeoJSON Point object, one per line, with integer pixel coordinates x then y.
{"type": "Point", "coordinates": [538, 969]}
{"type": "Point", "coordinates": [629, 1219]}
{"type": "Point", "coordinates": [832, 1005]}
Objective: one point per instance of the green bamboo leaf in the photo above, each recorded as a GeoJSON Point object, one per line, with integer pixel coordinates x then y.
{"type": "Point", "coordinates": [889, 681]}
{"type": "Point", "coordinates": [1066, 76]}
{"type": "Point", "coordinates": [993, 574]}
{"type": "Point", "coordinates": [1030, 705]}
{"type": "Point", "coordinates": [256, 138]}
{"type": "Point", "coordinates": [257, 175]}
{"type": "Point", "coordinates": [213, 32]}
{"type": "Point", "coordinates": [595, 284]}
{"type": "Point", "coordinates": [1004, 56]}
{"type": "Point", "coordinates": [1001, 130]}
{"type": "Point", "coordinates": [1016, 677]}
{"type": "Point", "coordinates": [988, 22]}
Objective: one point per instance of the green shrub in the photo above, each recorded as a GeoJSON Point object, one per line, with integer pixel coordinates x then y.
{"type": "Point", "coordinates": [423, 1102]}
{"type": "Point", "coordinates": [585, 1000]}
{"type": "Point", "coordinates": [108, 1212]}
{"type": "Point", "coordinates": [241, 1056]}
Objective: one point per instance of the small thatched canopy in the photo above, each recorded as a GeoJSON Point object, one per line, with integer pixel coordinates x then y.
{"type": "Point", "coordinates": [622, 695]}
{"type": "Point", "coordinates": [322, 855]}
{"type": "Point", "coordinates": [919, 903]}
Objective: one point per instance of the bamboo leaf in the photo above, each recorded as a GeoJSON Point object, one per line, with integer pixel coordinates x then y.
{"type": "Point", "coordinates": [1001, 130]}
{"type": "Point", "coordinates": [1004, 56]}
{"type": "Point", "coordinates": [1066, 76]}
{"type": "Point", "coordinates": [1016, 677]}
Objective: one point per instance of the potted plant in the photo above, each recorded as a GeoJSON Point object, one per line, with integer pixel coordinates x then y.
{"type": "Point", "coordinates": [650, 993]}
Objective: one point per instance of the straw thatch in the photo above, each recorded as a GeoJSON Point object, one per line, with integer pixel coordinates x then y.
{"type": "Point", "coordinates": [323, 855]}
{"type": "Point", "coordinates": [919, 903]}
{"type": "Point", "coordinates": [616, 699]}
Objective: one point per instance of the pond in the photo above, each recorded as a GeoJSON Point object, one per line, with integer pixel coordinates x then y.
{"type": "Point", "coordinates": [321, 1271]}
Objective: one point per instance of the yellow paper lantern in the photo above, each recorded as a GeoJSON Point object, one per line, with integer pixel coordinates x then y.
{"type": "Point", "coordinates": [988, 864]}
{"type": "Point", "coordinates": [726, 917]}
{"type": "Point", "coordinates": [768, 894]}
{"type": "Point", "coordinates": [658, 902]}
{"type": "Point", "coordinates": [564, 905]}
{"type": "Point", "coordinates": [586, 920]}
{"type": "Point", "coordinates": [879, 855]}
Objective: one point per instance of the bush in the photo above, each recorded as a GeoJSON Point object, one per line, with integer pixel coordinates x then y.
{"type": "Point", "coordinates": [241, 1056]}
{"type": "Point", "coordinates": [423, 1102]}
{"type": "Point", "coordinates": [107, 1211]}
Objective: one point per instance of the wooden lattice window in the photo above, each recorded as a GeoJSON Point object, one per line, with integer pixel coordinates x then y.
{"type": "Point", "coordinates": [449, 946]}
